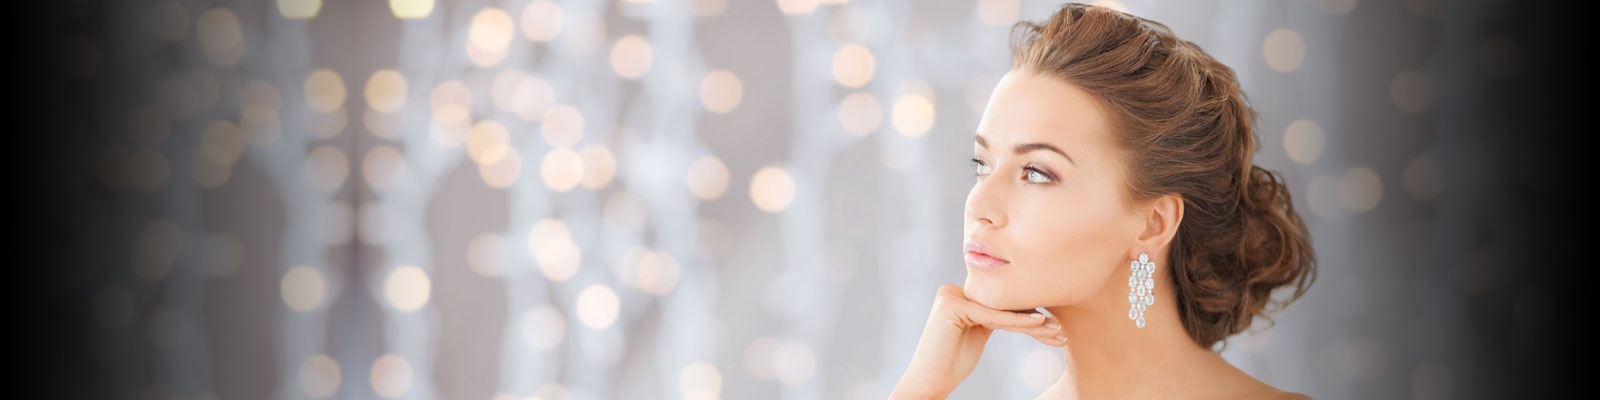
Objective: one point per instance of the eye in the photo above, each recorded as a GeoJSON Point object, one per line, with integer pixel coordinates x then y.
{"type": "Point", "coordinates": [1034, 175]}
{"type": "Point", "coordinates": [980, 168]}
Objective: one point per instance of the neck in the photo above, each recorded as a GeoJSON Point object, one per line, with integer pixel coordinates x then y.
{"type": "Point", "coordinates": [1109, 357]}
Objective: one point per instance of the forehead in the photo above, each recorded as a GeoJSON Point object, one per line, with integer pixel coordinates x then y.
{"type": "Point", "coordinates": [1029, 107]}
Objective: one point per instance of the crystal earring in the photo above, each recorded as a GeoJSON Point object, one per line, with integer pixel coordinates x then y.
{"type": "Point", "coordinates": [1141, 288]}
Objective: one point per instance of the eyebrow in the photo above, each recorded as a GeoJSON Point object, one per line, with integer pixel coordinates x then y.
{"type": "Point", "coordinates": [1029, 147]}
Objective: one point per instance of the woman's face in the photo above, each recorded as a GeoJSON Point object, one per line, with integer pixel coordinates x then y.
{"type": "Point", "coordinates": [1048, 206]}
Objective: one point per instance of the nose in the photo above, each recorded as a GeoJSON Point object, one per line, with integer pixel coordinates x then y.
{"type": "Point", "coordinates": [984, 204]}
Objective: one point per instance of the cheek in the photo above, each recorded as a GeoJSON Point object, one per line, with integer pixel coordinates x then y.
{"type": "Point", "coordinates": [1067, 253]}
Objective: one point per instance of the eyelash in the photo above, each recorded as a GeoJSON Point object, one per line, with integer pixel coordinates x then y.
{"type": "Point", "coordinates": [1048, 178]}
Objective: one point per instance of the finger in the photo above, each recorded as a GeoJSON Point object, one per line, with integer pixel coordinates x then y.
{"type": "Point", "coordinates": [1049, 333]}
{"type": "Point", "coordinates": [1037, 331]}
{"type": "Point", "coordinates": [1053, 341]}
{"type": "Point", "coordinates": [1007, 320]}
{"type": "Point", "coordinates": [1046, 335]}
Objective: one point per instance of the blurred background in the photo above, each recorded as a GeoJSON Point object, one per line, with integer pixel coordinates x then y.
{"type": "Point", "coordinates": [704, 199]}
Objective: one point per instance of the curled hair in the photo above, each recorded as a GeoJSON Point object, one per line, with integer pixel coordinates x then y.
{"type": "Point", "coordinates": [1186, 128]}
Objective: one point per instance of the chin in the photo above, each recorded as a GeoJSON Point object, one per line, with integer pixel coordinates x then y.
{"type": "Point", "coordinates": [992, 293]}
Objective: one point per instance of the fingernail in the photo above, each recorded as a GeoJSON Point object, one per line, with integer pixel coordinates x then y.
{"type": "Point", "coordinates": [1052, 325]}
{"type": "Point", "coordinates": [1038, 316]}
{"type": "Point", "coordinates": [1062, 338]}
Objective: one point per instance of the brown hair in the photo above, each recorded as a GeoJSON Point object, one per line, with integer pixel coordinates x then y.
{"type": "Point", "coordinates": [1186, 128]}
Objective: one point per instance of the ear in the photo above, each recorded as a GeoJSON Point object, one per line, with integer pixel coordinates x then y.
{"type": "Point", "coordinates": [1161, 220]}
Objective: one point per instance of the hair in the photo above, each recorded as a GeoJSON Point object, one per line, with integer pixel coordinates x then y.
{"type": "Point", "coordinates": [1185, 127]}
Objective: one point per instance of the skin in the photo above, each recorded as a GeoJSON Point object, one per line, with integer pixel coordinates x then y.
{"type": "Point", "coordinates": [1067, 229]}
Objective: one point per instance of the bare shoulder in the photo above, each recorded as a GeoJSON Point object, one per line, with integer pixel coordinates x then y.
{"type": "Point", "coordinates": [1245, 386]}
{"type": "Point", "coordinates": [1275, 394]}
{"type": "Point", "coordinates": [1262, 391]}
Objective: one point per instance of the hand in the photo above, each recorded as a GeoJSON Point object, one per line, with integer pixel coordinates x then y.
{"type": "Point", "coordinates": [954, 337]}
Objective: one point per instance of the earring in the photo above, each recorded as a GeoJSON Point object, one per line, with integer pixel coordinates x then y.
{"type": "Point", "coordinates": [1141, 288]}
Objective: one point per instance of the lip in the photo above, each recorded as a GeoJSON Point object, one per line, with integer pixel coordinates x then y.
{"type": "Point", "coordinates": [981, 257]}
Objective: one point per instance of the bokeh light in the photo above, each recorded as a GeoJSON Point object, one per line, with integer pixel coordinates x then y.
{"type": "Point", "coordinates": [484, 135]}
{"type": "Point", "coordinates": [1361, 189]}
{"type": "Point", "coordinates": [552, 246]}
{"type": "Point", "coordinates": [489, 36]}
{"type": "Point", "coordinates": [299, 9]}
{"type": "Point", "coordinates": [655, 273]}
{"type": "Point", "coordinates": [1303, 140]}
{"type": "Point", "coordinates": [450, 125]}
{"type": "Point", "coordinates": [327, 166]}
{"type": "Point", "coordinates": [222, 142]}
{"type": "Point", "coordinates": [500, 166]}
{"type": "Point", "coordinates": [541, 20]}
{"type": "Point", "coordinates": [707, 178]}
{"type": "Point", "coordinates": [504, 84]}
{"type": "Point", "coordinates": [1322, 195]}
{"type": "Point", "coordinates": [260, 124]}
{"type": "Point", "coordinates": [720, 91]}
{"type": "Point", "coordinates": [220, 36]}
{"type": "Point", "coordinates": [797, 6]}
{"type": "Point", "coordinates": [156, 249]}
{"type": "Point", "coordinates": [597, 306]}
{"type": "Point", "coordinates": [391, 376]}
{"type": "Point", "coordinates": [561, 169]}
{"type": "Point", "coordinates": [853, 65]}
{"type": "Point", "coordinates": [382, 166]}
{"type": "Point", "coordinates": [209, 171]}
{"type": "Point", "coordinates": [772, 189]}
{"type": "Point", "coordinates": [319, 376]}
{"type": "Point", "coordinates": [631, 56]}
{"type": "Point", "coordinates": [407, 288]}
{"type": "Point", "coordinates": [303, 288]}
{"type": "Point", "coordinates": [913, 115]}
{"type": "Point", "coordinates": [708, 8]}
{"type": "Point", "coordinates": [860, 113]}
{"type": "Point", "coordinates": [1000, 13]}
{"type": "Point", "coordinates": [411, 9]}
{"type": "Point", "coordinates": [599, 166]}
{"type": "Point", "coordinates": [1284, 50]}
{"type": "Point", "coordinates": [532, 98]}
{"type": "Point", "coordinates": [386, 90]}
{"type": "Point", "coordinates": [700, 380]}
{"type": "Point", "coordinates": [758, 358]}
{"type": "Point", "coordinates": [562, 126]}
{"type": "Point", "coordinates": [451, 92]}
{"type": "Point", "coordinates": [547, 199]}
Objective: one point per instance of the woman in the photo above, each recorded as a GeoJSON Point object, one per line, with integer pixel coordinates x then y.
{"type": "Point", "coordinates": [1115, 191]}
